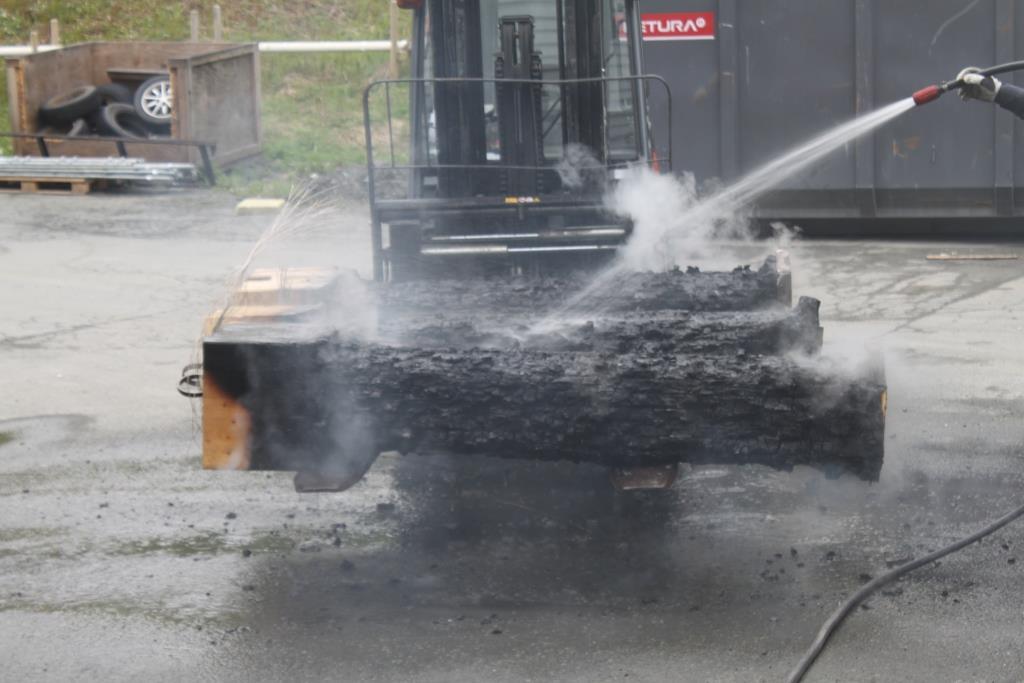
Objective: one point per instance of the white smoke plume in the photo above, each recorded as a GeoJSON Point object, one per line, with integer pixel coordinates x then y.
{"type": "Point", "coordinates": [579, 167]}
{"type": "Point", "coordinates": [672, 227]}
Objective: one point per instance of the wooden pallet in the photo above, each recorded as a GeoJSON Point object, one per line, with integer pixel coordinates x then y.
{"type": "Point", "coordinates": [70, 186]}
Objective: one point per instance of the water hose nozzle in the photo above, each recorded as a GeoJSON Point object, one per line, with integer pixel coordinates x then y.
{"type": "Point", "coordinates": [929, 94]}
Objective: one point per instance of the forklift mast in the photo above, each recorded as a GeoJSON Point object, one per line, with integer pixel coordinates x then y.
{"type": "Point", "coordinates": [521, 112]}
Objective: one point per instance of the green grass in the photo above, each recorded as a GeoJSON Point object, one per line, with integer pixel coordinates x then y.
{"type": "Point", "coordinates": [312, 109]}
{"type": "Point", "coordinates": [204, 544]}
{"type": "Point", "coordinates": [6, 437]}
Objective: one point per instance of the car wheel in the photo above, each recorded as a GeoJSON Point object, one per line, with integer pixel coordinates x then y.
{"type": "Point", "coordinates": [154, 101]}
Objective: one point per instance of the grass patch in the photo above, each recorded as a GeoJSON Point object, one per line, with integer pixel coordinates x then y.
{"type": "Point", "coordinates": [312, 107]}
{"type": "Point", "coordinates": [29, 534]}
{"type": "Point", "coordinates": [6, 438]}
{"type": "Point", "coordinates": [204, 544]}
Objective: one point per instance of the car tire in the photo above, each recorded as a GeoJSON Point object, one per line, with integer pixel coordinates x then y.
{"type": "Point", "coordinates": [66, 108]}
{"type": "Point", "coordinates": [154, 101]}
{"type": "Point", "coordinates": [115, 93]}
{"type": "Point", "coordinates": [77, 129]}
{"type": "Point", "coordinates": [120, 120]}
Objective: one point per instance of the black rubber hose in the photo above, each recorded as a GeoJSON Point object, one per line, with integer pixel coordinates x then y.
{"type": "Point", "coordinates": [1003, 68]}
{"type": "Point", "coordinates": [837, 617]}
{"type": "Point", "coordinates": [991, 71]}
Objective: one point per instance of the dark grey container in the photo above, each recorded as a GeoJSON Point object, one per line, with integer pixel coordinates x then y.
{"type": "Point", "coordinates": [780, 71]}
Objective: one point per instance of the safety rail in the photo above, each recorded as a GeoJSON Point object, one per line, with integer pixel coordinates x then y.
{"type": "Point", "coordinates": [638, 106]}
{"type": "Point", "coordinates": [643, 152]}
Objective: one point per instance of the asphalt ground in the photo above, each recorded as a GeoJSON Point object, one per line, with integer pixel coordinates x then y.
{"type": "Point", "coordinates": [120, 559]}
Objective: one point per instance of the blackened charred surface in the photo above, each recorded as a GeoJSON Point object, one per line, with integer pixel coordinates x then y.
{"type": "Point", "coordinates": [332, 404]}
{"type": "Point", "coordinates": [769, 331]}
{"type": "Point", "coordinates": [627, 410]}
{"type": "Point", "coordinates": [691, 290]}
{"type": "Point", "coordinates": [273, 381]}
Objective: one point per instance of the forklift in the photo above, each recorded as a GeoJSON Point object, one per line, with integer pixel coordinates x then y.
{"type": "Point", "coordinates": [520, 115]}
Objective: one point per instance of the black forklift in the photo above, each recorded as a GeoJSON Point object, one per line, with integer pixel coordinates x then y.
{"type": "Point", "coordinates": [495, 155]}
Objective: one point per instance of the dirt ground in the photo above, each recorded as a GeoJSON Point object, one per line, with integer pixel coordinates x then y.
{"type": "Point", "coordinates": [120, 559]}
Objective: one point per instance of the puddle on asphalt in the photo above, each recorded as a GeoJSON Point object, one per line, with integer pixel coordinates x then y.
{"type": "Point", "coordinates": [44, 428]}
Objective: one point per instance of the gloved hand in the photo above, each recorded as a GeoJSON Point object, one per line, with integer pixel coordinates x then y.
{"type": "Point", "coordinates": [978, 87]}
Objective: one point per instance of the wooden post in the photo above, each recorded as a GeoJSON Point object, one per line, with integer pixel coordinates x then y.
{"type": "Point", "coordinates": [218, 25]}
{"type": "Point", "coordinates": [193, 25]}
{"type": "Point", "coordinates": [54, 32]}
{"type": "Point", "coordinates": [33, 40]}
{"type": "Point", "coordinates": [393, 61]}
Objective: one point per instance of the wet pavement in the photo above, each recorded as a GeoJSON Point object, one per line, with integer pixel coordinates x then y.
{"type": "Point", "coordinates": [121, 560]}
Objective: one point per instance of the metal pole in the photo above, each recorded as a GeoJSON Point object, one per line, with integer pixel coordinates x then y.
{"type": "Point", "coordinates": [193, 25]}
{"type": "Point", "coordinates": [33, 41]}
{"type": "Point", "coordinates": [560, 21]}
{"type": "Point", "coordinates": [376, 230]}
{"type": "Point", "coordinates": [218, 24]}
{"type": "Point", "coordinates": [393, 27]}
{"type": "Point", "coordinates": [54, 32]}
{"type": "Point", "coordinates": [635, 32]}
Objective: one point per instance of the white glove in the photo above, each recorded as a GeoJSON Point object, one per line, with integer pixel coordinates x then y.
{"type": "Point", "coordinates": [978, 87]}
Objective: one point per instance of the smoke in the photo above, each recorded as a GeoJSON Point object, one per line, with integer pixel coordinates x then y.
{"type": "Point", "coordinates": [672, 226]}
{"type": "Point", "coordinates": [579, 168]}
{"type": "Point", "coordinates": [352, 311]}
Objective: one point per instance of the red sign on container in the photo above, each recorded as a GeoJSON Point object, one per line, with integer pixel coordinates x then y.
{"type": "Point", "coordinates": [675, 26]}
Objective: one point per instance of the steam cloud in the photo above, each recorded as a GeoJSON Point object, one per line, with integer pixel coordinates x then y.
{"type": "Point", "coordinates": [672, 226]}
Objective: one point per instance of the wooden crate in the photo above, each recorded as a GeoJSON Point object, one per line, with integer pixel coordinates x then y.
{"type": "Point", "coordinates": [216, 95]}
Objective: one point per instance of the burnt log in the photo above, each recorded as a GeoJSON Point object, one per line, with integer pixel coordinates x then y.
{"type": "Point", "coordinates": [769, 331]}
{"type": "Point", "coordinates": [683, 366]}
{"type": "Point", "coordinates": [743, 289]}
{"type": "Point", "coordinates": [329, 403]}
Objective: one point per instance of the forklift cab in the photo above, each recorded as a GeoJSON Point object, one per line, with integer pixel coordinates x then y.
{"type": "Point", "coordinates": [497, 151]}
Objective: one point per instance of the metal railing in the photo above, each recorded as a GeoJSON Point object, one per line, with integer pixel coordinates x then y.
{"type": "Point", "coordinates": [640, 115]}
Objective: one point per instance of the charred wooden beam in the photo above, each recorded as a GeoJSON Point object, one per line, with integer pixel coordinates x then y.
{"type": "Point", "coordinates": [743, 289]}
{"type": "Point", "coordinates": [769, 331]}
{"type": "Point", "coordinates": [671, 367]}
{"type": "Point", "coordinates": [327, 404]}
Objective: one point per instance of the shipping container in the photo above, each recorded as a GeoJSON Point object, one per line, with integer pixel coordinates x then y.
{"type": "Point", "coordinates": [750, 79]}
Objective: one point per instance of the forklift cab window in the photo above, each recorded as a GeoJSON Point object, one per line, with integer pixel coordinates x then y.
{"type": "Point", "coordinates": [570, 39]}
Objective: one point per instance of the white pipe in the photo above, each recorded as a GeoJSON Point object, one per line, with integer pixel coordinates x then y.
{"type": "Point", "coordinates": [332, 46]}
{"type": "Point", "coordinates": [22, 50]}
{"type": "Point", "coordinates": [282, 46]}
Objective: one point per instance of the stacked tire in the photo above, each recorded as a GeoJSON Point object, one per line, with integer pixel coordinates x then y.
{"type": "Point", "coordinates": [112, 110]}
